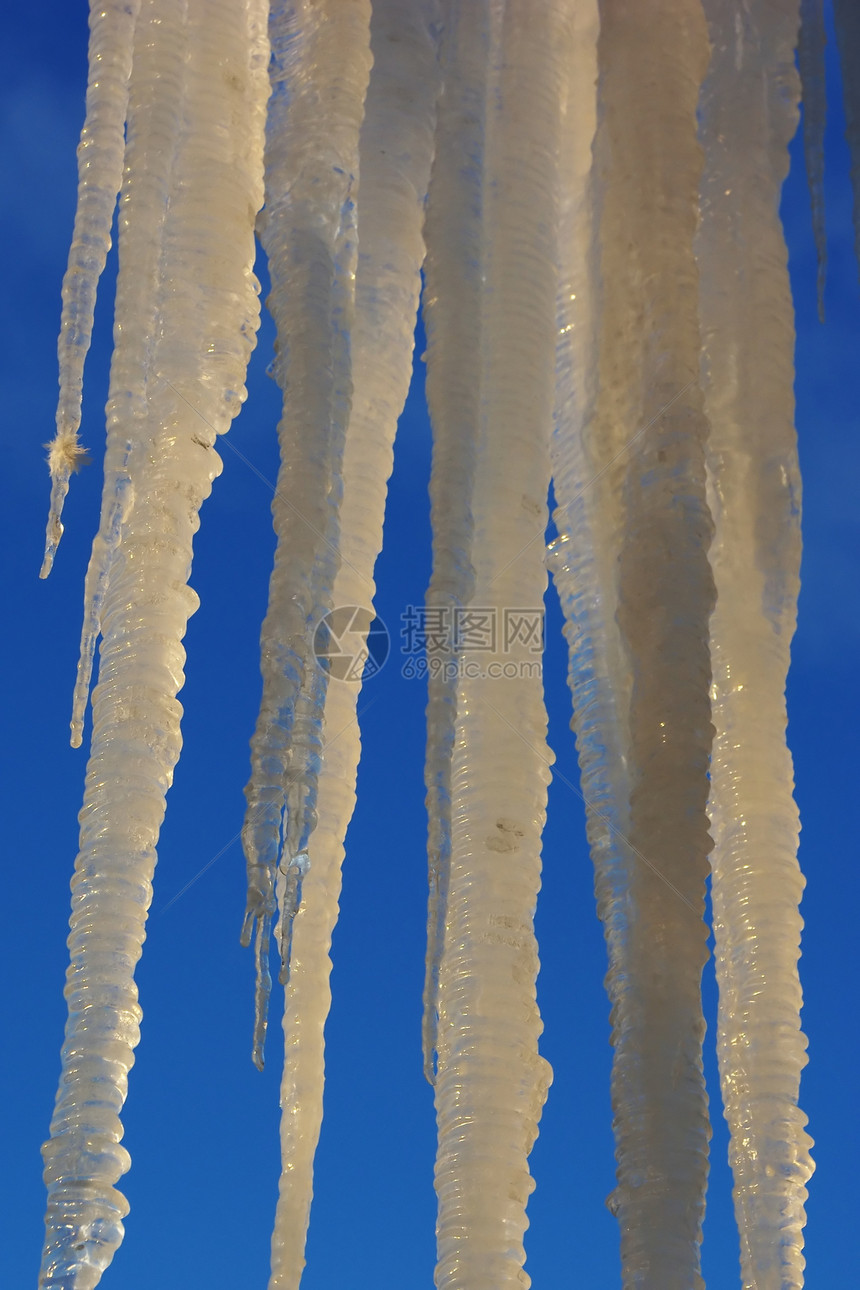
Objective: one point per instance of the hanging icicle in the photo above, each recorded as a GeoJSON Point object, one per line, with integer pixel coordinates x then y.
{"type": "Point", "coordinates": [101, 153]}
{"type": "Point", "coordinates": [452, 316]}
{"type": "Point", "coordinates": [648, 434]}
{"type": "Point", "coordinates": [847, 17]}
{"type": "Point", "coordinates": [810, 61]}
{"type": "Point", "coordinates": [205, 305]}
{"type": "Point", "coordinates": [491, 1081]}
{"type": "Point", "coordinates": [320, 65]}
{"type": "Point", "coordinates": [395, 146]}
{"type": "Point", "coordinates": [749, 114]}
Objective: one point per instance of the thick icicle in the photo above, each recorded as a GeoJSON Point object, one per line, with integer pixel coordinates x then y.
{"type": "Point", "coordinates": [647, 434]}
{"type": "Point", "coordinates": [810, 60]}
{"type": "Point", "coordinates": [395, 149]}
{"type": "Point", "coordinates": [452, 315]}
{"type": "Point", "coordinates": [847, 17]}
{"type": "Point", "coordinates": [207, 309]}
{"type": "Point", "coordinates": [491, 1081]}
{"type": "Point", "coordinates": [155, 108]}
{"type": "Point", "coordinates": [320, 65]}
{"type": "Point", "coordinates": [749, 114]}
{"type": "Point", "coordinates": [101, 152]}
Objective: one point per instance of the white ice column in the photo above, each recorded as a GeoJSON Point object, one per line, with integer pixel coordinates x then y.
{"type": "Point", "coordinates": [587, 518]}
{"type": "Point", "coordinates": [749, 115]}
{"type": "Point", "coordinates": [395, 148]}
{"type": "Point", "coordinates": [207, 309]}
{"type": "Point", "coordinates": [847, 18]}
{"type": "Point", "coordinates": [320, 66]}
{"type": "Point", "coordinates": [646, 438]}
{"type": "Point", "coordinates": [452, 307]}
{"type": "Point", "coordinates": [156, 97]}
{"type": "Point", "coordinates": [491, 1081]}
{"type": "Point", "coordinates": [811, 47]}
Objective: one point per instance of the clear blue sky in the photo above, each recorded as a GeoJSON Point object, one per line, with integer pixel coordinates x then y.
{"type": "Point", "coordinates": [201, 1123]}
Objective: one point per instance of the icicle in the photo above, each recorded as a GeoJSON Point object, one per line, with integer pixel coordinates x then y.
{"type": "Point", "coordinates": [153, 132]}
{"type": "Point", "coordinates": [302, 777]}
{"type": "Point", "coordinates": [588, 519]}
{"type": "Point", "coordinates": [319, 77]}
{"type": "Point", "coordinates": [207, 309]}
{"type": "Point", "coordinates": [810, 60]}
{"type": "Point", "coordinates": [100, 162]}
{"type": "Point", "coordinates": [847, 17]}
{"type": "Point", "coordinates": [395, 149]}
{"type": "Point", "coordinates": [749, 114]}
{"type": "Point", "coordinates": [647, 436]}
{"type": "Point", "coordinates": [491, 1081]}
{"type": "Point", "coordinates": [452, 315]}
{"type": "Point", "coordinates": [105, 546]}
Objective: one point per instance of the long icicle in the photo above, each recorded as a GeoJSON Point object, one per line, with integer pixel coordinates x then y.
{"type": "Point", "coordinates": [749, 115]}
{"type": "Point", "coordinates": [320, 67]}
{"type": "Point", "coordinates": [395, 148]}
{"type": "Point", "coordinates": [155, 107]}
{"type": "Point", "coordinates": [847, 18]}
{"type": "Point", "coordinates": [811, 65]}
{"type": "Point", "coordinates": [648, 433]}
{"type": "Point", "coordinates": [101, 153]}
{"type": "Point", "coordinates": [208, 311]}
{"type": "Point", "coordinates": [452, 316]}
{"type": "Point", "coordinates": [588, 516]}
{"type": "Point", "coordinates": [491, 1081]}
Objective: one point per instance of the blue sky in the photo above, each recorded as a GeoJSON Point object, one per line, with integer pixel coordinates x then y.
{"type": "Point", "coordinates": [201, 1122]}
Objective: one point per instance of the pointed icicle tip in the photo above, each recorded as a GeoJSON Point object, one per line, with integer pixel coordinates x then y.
{"type": "Point", "coordinates": [65, 456]}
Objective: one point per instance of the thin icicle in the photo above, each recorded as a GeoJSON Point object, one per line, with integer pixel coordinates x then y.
{"type": "Point", "coordinates": [847, 17]}
{"type": "Point", "coordinates": [101, 152]}
{"type": "Point", "coordinates": [305, 749]}
{"type": "Point", "coordinates": [395, 149]}
{"type": "Point", "coordinates": [648, 437]}
{"type": "Point", "coordinates": [588, 518]}
{"type": "Point", "coordinates": [321, 60]}
{"type": "Point", "coordinates": [749, 115]}
{"type": "Point", "coordinates": [491, 1081]}
{"type": "Point", "coordinates": [452, 315]}
{"type": "Point", "coordinates": [105, 546]}
{"type": "Point", "coordinates": [207, 309]}
{"type": "Point", "coordinates": [813, 79]}
{"type": "Point", "coordinates": [302, 778]}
